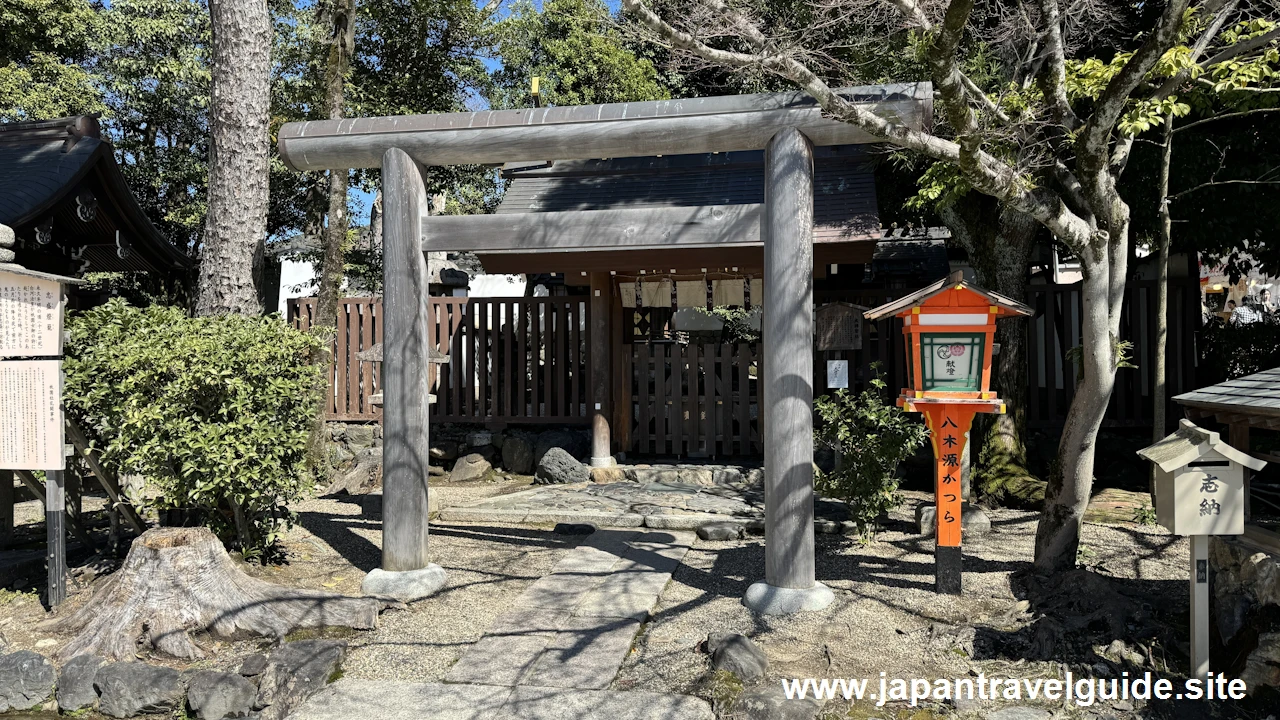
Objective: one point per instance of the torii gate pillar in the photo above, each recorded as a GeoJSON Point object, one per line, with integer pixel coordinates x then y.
{"type": "Point", "coordinates": [406, 574]}
{"type": "Point", "coordinates": [787, 382]}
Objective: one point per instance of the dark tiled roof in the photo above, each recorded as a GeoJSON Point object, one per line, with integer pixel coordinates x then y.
{"type": "Point", "coordinates": [844, 186]}
{"type": "Point", "coordinates": [44, 165]}
{"type": "Point", "coordinates": [1257, 394]}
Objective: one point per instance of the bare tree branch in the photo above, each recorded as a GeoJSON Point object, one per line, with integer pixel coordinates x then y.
{"type": "Point", "coordinates": [1225, 116]}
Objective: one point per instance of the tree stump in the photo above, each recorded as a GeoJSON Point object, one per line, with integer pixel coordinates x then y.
{"type": "Point", "coordinates": [176, 581]}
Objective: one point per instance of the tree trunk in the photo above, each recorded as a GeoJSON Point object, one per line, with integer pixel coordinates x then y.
{"type": "Point", "coordinates": [236, 224]}
{"type": "Point", "coordinates": [1069, 488]}
{"type": "Point", "coordinates": [339, 16]}
{"type": "Point", "coordinates": [176, 581]}
{"type": "Point", "coordinates": [1159, 393]}
{"type": "Point", "coordinates": [999, 243]}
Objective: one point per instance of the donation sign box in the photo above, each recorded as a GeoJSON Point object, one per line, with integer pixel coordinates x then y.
{"type": "Point", "coordinates": [1199, 492]}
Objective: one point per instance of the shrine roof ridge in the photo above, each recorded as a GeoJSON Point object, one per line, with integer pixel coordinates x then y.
{"type": "Point", "coordinates": [954, 280]}
{"type": "Point", "coordinates": [1190, 442]}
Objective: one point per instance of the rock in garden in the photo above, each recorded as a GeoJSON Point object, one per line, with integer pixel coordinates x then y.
{"type": "Point", "coordinates": [559, 467]}
{"type": "Point", "coordinates": [574, 528]}
{"type": "Point", "coordinates": [737, 654]}
{"type": "Point", "coordinates": [720, 531]}
{"type": "Point", "coordinates": [1020, 712]}
{"type": "Point", "coordinates": [359, 436]}
{"type": "Point", "coordinates": [444, 450]}
{"type": "Point", "coordinates": [26, 680]}
{"type": "Point", "coordinates": [768, 702]}
{"type": "Point", "coordinates": [75, 683]}
{"type": "Point", "coordinates": [253, 665]}
{"type": "Point", "coordinates": [517, 455]}
{"type": "Point", "coordinates": [214, 695]}
{"type": "Point", "coordinates": [607, 475]}
{"type": "Point", "coordinates": [575, 443]}
{"type": "Point", "coordinates": [973, 519]}
{"type": "Point", "coordinates": [295, 672]}
{"type": "Point", "coordinates": [479, 438]}
{"type": "Point", "coordinates": [126, 689]}
{"type": "Point", "coordinates": [470, 468]}
{"type": "Point", "coordinates": [404, 585]}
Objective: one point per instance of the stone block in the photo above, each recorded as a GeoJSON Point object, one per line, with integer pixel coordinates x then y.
{"type": "Point", "coordinates": [606, 475]}
{"type": "Point", "coordinates": [689, 521]}
{"type": "Point", "coordinates": [26, 680]}
{"type": "Point", "coordinates": [295, 671]}
{"type": "Point", "coordinates": [471, 468]}
{"type": "Point", "coordinates": [351, 699]}
{"type": "Point", "coordinates": [536, 703]}
{"type": "Point", "coordinates": [557, 590]}
{"type": "Point", "coordinates": [599, 603]}
{"type": "Point", "coordinates": [974, 521]}
{"type": "Point", "coordinates": [498, 659]}
{"type": "Point", "coordinates": [737, 654]}
{"type": "Point", "coordinates": [405, 586]}
{"type": "Point", "coordinates": [359, 436]}
{"type": "Point", "coordinates": [75, 683]}
{"type": "Point", "coordinates": [586, 654]}
{"type": "Point", "coordinates": [643, 582]}
{"type": "Point", "coordinates": [126, 689]}
{"type": "Point", "coordinates": [720, 531]}
{"type": "Point", "coordinates": [215, 695]}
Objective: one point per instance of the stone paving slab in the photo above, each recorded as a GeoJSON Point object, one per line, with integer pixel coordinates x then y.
{"type": "Point", "coordinates": [529, 621]}
{"type": "Point", "coordinates": [557, 590]}
{"type": "Point", "coordinates": [585, 654]}
{"type": "Point", "coordinates": [599, 519]}
{"type": "Point", "coordinates": [349, 699]}
{"type": "Point", "coordinates": [529, 703]}
{"type": "Point", "coordinates": [599, 603]}
{"type": "Point", "coordinates": [498, 659]}
{"type": "Point", "coordinates": [586, 560]}
{"type": "Point", "coordinates": [635, 582]}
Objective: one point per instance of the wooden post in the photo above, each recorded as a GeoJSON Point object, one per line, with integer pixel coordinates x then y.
{"type": "Point", "coordinates": [6, 508]}
{"type": "Point", "coordinates": [55, 518]}
{"type": "Point", "coordinates": [790, 579]}
{"type": "Point", "coordinates": [949, 426]}
{"type": "Point", "coordinates": [1238, 438]}
{"type": "Point", "coordinates": [1199, 606]}
{"type": "Point", "coordinates": [405, 444]}
{"type": "Point", "coordinates": [601, 365]}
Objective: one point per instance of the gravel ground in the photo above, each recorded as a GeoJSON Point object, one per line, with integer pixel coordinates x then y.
{"type": "Point", "coordinates": [886, 617]}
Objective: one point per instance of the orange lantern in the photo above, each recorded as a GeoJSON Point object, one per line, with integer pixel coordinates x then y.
{"type": "Point", "coordinates": [949, 328]}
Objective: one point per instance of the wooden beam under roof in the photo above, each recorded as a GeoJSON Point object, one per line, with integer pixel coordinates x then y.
{"type": "Point", "coordinates": [663, 127]}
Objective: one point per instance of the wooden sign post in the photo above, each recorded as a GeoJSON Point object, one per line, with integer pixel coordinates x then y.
{"type": "Point", "coordinates": [1199, 492]}
{"type": "Point", "coordinates": [949, 328]}
{"type": "Point", "coordinates": [32, 428]}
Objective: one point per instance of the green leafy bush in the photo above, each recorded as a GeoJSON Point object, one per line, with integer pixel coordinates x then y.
{"type": "Point", "coordinates": [214, 412]}
{"type": "Point", "coordinates": [872, 439]}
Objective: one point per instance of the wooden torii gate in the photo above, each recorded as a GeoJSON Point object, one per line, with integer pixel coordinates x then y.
{"type": "Point", "coordinates": [786, 125]}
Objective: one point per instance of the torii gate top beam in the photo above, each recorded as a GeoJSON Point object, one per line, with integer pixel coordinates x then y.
{"type": "Point", "coordinates": [665, 127]}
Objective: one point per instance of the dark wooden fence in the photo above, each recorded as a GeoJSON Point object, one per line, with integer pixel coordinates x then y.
{"type": "Point", "coordinates": [352, 380]}
{"type": "Point", "coordinates": [525, 360]}
{"type": "Point", "coordinates": [694, 400]}
{"type": "Point", "coordinates": [1055, 329]}
{"type": "Point", "coordinates": [512, 360]}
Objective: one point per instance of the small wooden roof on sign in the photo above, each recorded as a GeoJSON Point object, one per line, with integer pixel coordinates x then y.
{"type": "Point", "coordinates": [1191, 442]}
{"type": "Point", "coordinates": [951, 291]}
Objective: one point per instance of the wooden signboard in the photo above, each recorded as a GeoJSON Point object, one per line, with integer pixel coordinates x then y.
{"type": "Point", "coordinates": [31, 419]}
{"type": "Point", "coordinates": [30, 315]}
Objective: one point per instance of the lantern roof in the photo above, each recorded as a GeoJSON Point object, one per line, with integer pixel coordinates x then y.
{"type": "Point", "coordinates": [950, 292]}
{"type": "Point", "coordinates": [1192, 442]}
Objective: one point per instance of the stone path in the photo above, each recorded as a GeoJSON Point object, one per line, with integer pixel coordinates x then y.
{"type": "Point", "coordinates": [573, 627]}
{"type": "Point", "coordinates": [664, 504]}
{"type": "Point", "coordinates": [552, 655]}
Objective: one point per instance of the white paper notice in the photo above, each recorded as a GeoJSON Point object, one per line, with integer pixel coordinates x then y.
{"type": "Point", "coordinates": [31, 422]}
{"type": "Point", "coordinates": [30, 316]}
{"type": "Point", "coordinates": [837, 374]}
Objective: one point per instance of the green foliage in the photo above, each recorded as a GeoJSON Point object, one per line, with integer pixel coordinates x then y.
{"type": "Point", "coordinates": [214, 412]}
{"type": "Point", "coordinates": [1145, 515]}
{"type": "Point", "coordinates": [872, 438]}
{"type": "Point", "coordinates": [576, 49]}
{"type": "Point", "coordinates": [737, 323]}
{"type": "Point", "coordinates": [44, 48]}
